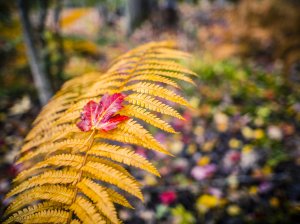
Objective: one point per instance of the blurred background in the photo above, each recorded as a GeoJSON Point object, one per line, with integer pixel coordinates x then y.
{"type": "Point", "coordinates": [237, 154]}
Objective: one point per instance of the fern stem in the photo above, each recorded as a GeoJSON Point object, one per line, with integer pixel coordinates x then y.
{"type": "Point", "coordinates": [91, 139]}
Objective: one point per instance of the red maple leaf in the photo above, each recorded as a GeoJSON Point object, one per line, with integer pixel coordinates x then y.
{"type": "Point", "coordinates": [102, 115]}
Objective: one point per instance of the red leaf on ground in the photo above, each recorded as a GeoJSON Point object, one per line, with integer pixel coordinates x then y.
{"type": "Point", "coordinates": [168, 197]}
{"type": "Point", "coordinates": [102, 115]}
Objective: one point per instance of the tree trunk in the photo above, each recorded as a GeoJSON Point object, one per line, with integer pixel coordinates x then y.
{"type": "Point", "coordinates": [60, 62]}
{"type": "Point", "coordinates": [136, 12]}
{"type": "Point", "coordinates": [40, 78]}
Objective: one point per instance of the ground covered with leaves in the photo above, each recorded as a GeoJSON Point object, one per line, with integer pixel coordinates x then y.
{"type": "Point", "coordinates": [237, 153]}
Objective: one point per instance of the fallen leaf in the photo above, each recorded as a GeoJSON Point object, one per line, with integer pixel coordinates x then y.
{"type": "Point", "coordinates": [102, 115]}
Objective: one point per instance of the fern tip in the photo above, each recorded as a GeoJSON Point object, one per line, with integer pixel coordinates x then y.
{"type": "Point", "coordinates": [193, 73]}
{"type": "Point", "coordinates": [157, 174]}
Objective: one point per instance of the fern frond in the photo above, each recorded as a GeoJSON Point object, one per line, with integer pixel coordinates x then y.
{"type": "Point", "coordinates": [113, 165]}
{"type": "Point", "coordinates": [50, 177]}
{"type": "Point", "coordinates": [132, 132]}
{"type": "Point", "coordinates": [113, 176]}
{"type": "Point", "coordinates": [172, 52]}
{"type": "Point", "coordinates": [96, 91]}
{"type": "Point", "coordinates": [158, 67]}
{"type": "Point", "coordinates": [154, 53]}
{"type": "Point", "coordinates": [100, 197]}
{"type": "Point", "coordinates": [19, 216]}
{"type": "Point", "coordinates": [42, 127]}
{"type": "Point", "coordinates": [118, 198]}
{"type": "Point", "coordinates": [47, 216]}
{"type": "Point", "coordinates": [156, 90]}
{"type": "Point", "coordinates": [152, 46]}
{"type": "Point", "coordinates": [80, 104]}
{"type": "Point", "coordinates": [67, 117]}
{"type": "Point", "coordinates": [103, 86]}
{"type": "Point", "coordinates": [148, 117]}
{"type": "Point", "coordinates": [86, 211]}
{"type": "Point", "coordinates": [53, 193]}
{"type": "Point", "coordinates": [69, 174]}
{"type": "Point", "coordinates": [68, 160]}
{"type": "Point", "coordinates": [176, 75]}
{"type": "Point", "coordinates": [151, 103]}
{"type": "Point", "coordinates": [163, 65]}
{"type": "Point", "coordinates": [51, 113]}
{"type": "Point", "coordinates": [123, 155]}
{"type": "Point", "coordinates": [51, 148]}
{"type": "Point", "coordinates": [155, 78]}
{"type": "Point", "coordinates": [78, 82]}
{"type": "Point", "coordinates": [57, 106]}
{"type": "Point", "coordinates": [164, 54]}
{"type": "Point", "coordinates": [44, 124]}
{"type": "Point", "coordinates": [75, 221]}
{"type": "Point", "coordinates": [52, 135]}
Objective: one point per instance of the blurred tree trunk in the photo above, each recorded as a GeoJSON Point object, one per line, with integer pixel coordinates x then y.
{"type": "Point", "coordinates": [59, 63]}
{"type": "Point", "coordinates": [41, 80]}
{"type": "Point", "coordinates": [103, 12]}
{"type": "Point", "coordinates": [136, 12]}
{"type": "Point", "coordinates": [170, 14]}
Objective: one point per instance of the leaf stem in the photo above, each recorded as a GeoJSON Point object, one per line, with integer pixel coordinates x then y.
{"type": "Point", "coordinates": [89, 146]}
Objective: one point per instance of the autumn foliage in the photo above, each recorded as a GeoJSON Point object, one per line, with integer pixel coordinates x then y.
{"type": "Point", "coordinates": [101, 116]}
{"type": "Point", "coordinates": [71, 161]}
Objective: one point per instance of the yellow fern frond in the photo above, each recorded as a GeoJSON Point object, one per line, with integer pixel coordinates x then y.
{"type": "Point", "coordinates": [113, 165]}
{"type": "Point", "coordinates": [150, 47]}
{"type": "Point", "coordinates": [49, 177]}
{"type": "Point", "coordinates": [164, 54]}
{"type": "Point", "coordinates": [158, 67]}
{"type": "Point", "coordinates": [86, 211]}
{"type": "Point", "coordinates": [154, 53]}
{"type": "Point", "coordinates": [79, 82]}
{"type": "Point", "coordinates": [123, 155]}
{"type": "Point", "coordinates": [52, 135]}
{"type": "Point", "coordinates": [176, 75]}
{"type": "Point", "coordinates": [75, 221]}
{"type": "Point", "coordinates": [132, 132]}
{"type": "Point", "coordinates": [165, 65]}
{"type": "Point", "coordinates": [148, 117]}
{"type": "Point", "coordinates": [47, 216]}
{"type": "Point", "coordinates": [155, 78]}
{"type": "Point", "coordinates": [55, 193]}
{"type": "Point", "coordinates": [51, 148]}
{"type": "Point", "coordinates": [55, 107]}
{"type": "Point", "coordinates": [69, 175]}
{"type": "Point", "coordinates": [151, 103]}
{"type": "Point", "coordinates": [118, 198]}
{"type": "Point", "coordinates": [96, 91]}
{"type": "Point", "coordinates": [21, 214]}
{"type": "Point", "coordinates": [100, 198]}
{"type": "Point", "coordinates": [80, 104]}
{"type": "Point", "coordinates": [156, 90]}
{"type": "Point", "coordinates": [113, 176]}
{"type": "Point", "coordinates": [103, 86]}
{"type": "Point", "coordinates": [68, 160]}
{"type": "Point", "coordinates": [67, 117]}
{"type": "Point", "coordinates": [172, 52]}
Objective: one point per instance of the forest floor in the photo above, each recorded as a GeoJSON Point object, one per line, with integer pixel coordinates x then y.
{"type": "Point", "coordinates": [237, 155]}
